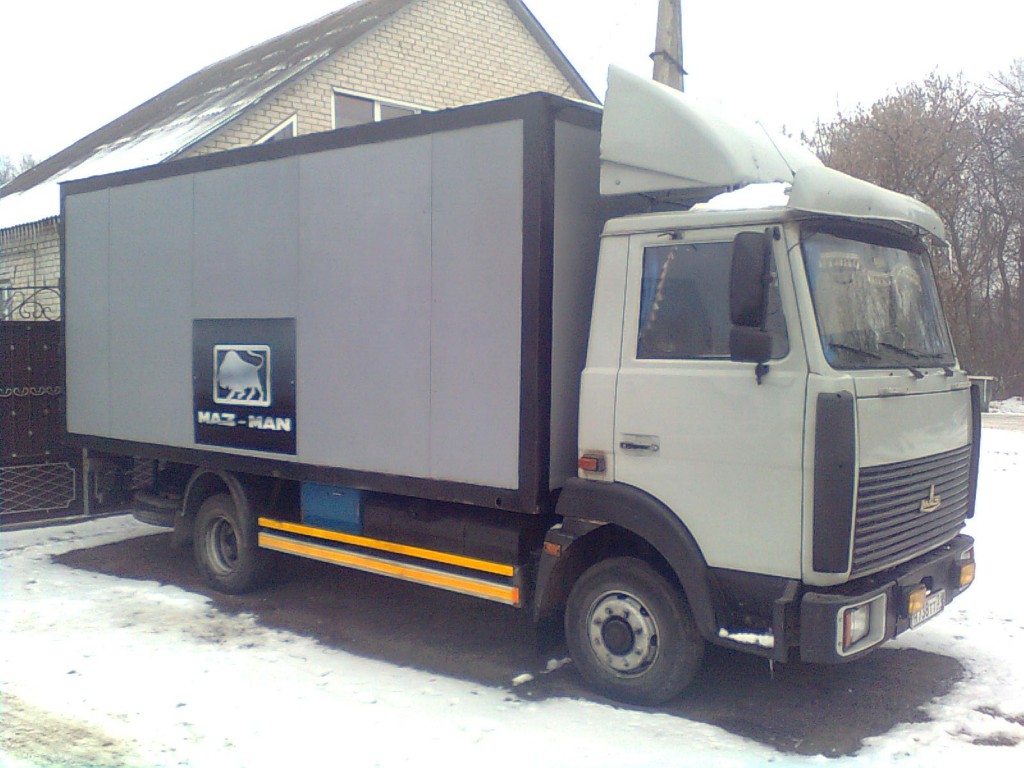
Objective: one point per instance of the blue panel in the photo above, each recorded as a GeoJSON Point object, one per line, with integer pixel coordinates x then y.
{"type": "Point", "coordinates": [332, 507]}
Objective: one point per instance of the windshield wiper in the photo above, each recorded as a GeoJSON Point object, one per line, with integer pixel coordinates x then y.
{"type": "Point", "coordinates": [868, 353]}
{"type": "Point", "coordinates": [856, 350]}
{"type": "Point", "coordinates": [909, 353]}
{"type": "Point", "coordinates": [919, 356]}
{"type": "Point", "coordinates": [901, 350]}
{"type": "Point", "coordinates": [914, 353]}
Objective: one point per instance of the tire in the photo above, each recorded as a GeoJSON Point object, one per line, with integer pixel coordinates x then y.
{"type": "Point", "coordinates": [631, 634]}
{"type": "Point", "coordinates": [225, 549]}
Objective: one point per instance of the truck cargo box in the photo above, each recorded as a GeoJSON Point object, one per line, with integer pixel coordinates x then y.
{"type": "Point", "coordinates": [398, 307]}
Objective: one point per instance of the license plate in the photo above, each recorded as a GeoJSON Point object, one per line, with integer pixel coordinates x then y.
{"type": "Point", "coordinates": [933, 605]}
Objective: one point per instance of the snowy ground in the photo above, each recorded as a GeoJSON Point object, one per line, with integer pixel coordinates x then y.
{"type": "Point", "coordinates": [1010, 405]}
{"type": "Point", "coordinates": [100, 671]}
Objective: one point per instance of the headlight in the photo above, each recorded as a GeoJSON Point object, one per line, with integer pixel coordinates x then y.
{"type": "Point", "coordinates": [856, 623]}
{"type": "Point", "coordinates": [861, 626]}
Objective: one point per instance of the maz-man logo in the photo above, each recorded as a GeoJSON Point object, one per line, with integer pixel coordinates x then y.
{"type": "Point", "coordinates": [241, 375]}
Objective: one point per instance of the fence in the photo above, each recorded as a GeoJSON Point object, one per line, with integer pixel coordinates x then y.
{"type": "Point", "coordinates": [38, 473]}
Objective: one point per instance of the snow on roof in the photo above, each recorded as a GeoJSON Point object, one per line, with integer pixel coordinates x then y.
{"type": "Point", "coordinates": [160, 141]}
{"type": "Point", "coordinates": [166, 125]}
{"type": "Point", "coordinates": [170, 123]}
{"type": "Point", "coordinates": [750, 197]}
{"type": "Point", "coordinates": [155, 145]}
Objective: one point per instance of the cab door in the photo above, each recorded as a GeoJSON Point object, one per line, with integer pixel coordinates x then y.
{"type": "Point", "coordinates": [693, 428]}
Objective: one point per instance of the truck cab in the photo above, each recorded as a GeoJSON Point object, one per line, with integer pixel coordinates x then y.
{"type": "Point", "coordinates": [771, 399]}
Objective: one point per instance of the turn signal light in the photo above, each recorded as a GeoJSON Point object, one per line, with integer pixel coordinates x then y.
{"type": "Point", "coordinates": [591, 462]}
{"type": "Point", "coordinates": [966, 574]}
{"type": "Point", "coordinates": [553, 549]}
{"type": "Point", "coordinates": [916, 599]}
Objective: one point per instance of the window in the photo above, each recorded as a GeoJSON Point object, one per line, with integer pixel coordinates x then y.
{"type": "Point", "coordinates": [289, 129]}
{"type": "Point", "coordinates": [388, 111]}
{"type": "Point", "coordinates": [684, 304]}
{"type": "Point", "coordinates": [351, 109]}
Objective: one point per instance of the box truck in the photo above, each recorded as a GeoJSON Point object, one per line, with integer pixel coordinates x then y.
{"type": "Point", "coordinates": [658, 378]}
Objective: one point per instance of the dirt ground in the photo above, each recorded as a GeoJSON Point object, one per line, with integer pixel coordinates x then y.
{"type": "Point", "coordinates": [795, 708]}
{"type": "Point", "coordinates": [45, 739]}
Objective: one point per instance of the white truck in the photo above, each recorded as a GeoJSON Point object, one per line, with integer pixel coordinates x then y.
{"type": "Point", "coordinates": [659, 379]}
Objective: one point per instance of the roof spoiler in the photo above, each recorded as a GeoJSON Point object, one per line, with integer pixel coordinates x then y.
{"type": "Point", "coordinates": [655, 139]}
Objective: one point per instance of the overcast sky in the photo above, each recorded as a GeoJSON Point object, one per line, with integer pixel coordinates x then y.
{"type": "Point", "coordinates": [67, 67]}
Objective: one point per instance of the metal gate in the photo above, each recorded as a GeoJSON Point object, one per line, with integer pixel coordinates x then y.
{"type": "Point", "coordinates": [38, 473]}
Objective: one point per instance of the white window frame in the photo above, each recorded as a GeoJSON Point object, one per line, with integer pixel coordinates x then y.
{"type": "Point", "coordinates": [377, 102]}
{"type": "Point", "coordinates": [292, 122]}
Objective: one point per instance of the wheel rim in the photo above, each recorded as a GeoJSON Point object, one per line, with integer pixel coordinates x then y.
{"type": "Point", "coordinates": [623, 633]}
{"type": "Point", "coordinates": [222, 546]}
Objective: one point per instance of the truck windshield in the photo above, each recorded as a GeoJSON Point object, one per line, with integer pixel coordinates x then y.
{"type": "Point", "coordinates": [876, 301]}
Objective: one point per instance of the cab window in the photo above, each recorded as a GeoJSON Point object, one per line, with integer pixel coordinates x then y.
{"type": "Point", "coordinates": [684, 304]}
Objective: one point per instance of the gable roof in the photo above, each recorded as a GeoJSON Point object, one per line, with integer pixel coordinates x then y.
{"type": "Point", "coordinates": [176, 119]}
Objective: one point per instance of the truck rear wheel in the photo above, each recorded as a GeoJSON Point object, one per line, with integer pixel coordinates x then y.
{"type": "Point", "coordinates": [631, 634]}
{"type": "Point", "coordinates": [225, 548]}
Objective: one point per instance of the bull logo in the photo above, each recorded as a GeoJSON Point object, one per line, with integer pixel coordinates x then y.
{"type": "Point", "coordinates": [241, 374]}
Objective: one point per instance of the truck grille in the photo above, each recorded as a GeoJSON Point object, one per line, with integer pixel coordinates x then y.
{"type": "Point", "coordinates": [890, 527]}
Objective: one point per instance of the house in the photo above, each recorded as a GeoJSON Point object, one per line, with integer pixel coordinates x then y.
{"type": "Point", "coordinates": [373, 60]}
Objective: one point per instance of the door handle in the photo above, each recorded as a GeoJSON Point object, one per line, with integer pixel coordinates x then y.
{"type": "Point", "coordinates": [640, 443]}
{"type": "Point", "coordinates": [627, 446]}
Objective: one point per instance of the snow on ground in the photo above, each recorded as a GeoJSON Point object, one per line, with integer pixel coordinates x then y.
{"type": "Point", "coordinates": [101, 671]}
{"type": "Point", "coordinates": [1010, 405]}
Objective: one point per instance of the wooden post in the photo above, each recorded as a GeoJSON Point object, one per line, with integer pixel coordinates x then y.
{"type": "Point", "coordinates": [668, 45]}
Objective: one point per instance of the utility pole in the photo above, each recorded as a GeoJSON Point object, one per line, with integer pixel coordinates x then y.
{"type": "Point", "coordinates": [668, 45]}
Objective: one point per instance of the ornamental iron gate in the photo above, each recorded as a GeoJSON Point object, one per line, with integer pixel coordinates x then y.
{"type": "Point", "coordinates": [38, 473]}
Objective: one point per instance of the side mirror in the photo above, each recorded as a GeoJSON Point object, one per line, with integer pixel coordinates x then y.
{"type": "Point", "coordinates": [748, 279]}
{"type": "Point", "coordinates": [750, 345]}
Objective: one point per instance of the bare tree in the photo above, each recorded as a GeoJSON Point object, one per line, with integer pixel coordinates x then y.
{"type": "Point", "coordinates": [999, 177]}
{"type": "Point", "coordinates": [959, 148]}
{"type": "Point", "coordinates": [9, 168]}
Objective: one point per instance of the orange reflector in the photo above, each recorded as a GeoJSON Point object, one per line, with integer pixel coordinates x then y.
{"type": "Point", "coordinates": [550, 548]}
{"type": "Point", "coordinates": [591, 462]}
{"type": "Point", "coordinates": [916, 599]}
{"type": "Point", "coordinates": [966, 574]}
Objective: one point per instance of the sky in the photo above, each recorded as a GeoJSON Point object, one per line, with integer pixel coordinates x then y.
{"type": "Point", "coordinates": [68, 67]}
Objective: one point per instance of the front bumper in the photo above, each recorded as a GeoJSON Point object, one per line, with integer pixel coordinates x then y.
{"type": "Point", "coordinates": [885, 595]}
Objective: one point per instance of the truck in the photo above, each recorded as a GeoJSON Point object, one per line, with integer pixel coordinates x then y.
{"type": "Point", "coordinates": [658, 378]}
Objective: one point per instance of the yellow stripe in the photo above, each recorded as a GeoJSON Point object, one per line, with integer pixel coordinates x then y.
{"type": "Point", "coordinates": [462, 584]}
{"type": "Point", "coordinates": [498, 569]}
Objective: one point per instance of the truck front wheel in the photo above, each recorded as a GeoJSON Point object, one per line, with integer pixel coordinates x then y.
{"type": "Point", "coordinates": [225, 548]}
{"type": "Point", "coordinates": [631, 634]}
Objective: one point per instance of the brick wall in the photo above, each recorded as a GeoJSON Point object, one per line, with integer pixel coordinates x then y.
{"type": "Point", "coordinates": [30, 256]}
{"type": "Point", "coordinates": [435, 53]}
